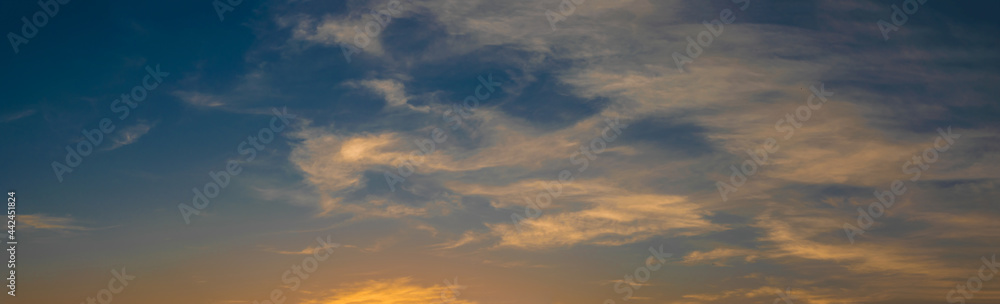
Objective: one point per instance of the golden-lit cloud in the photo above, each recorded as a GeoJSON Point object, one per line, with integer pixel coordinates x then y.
{"type": "Point", "coordinates": [334, 162]}
{"type": "Point", "coordinates": [770, 294]}
{"type": "Point", "coordinates": [41, 221]}
{"type": "Point", "coordinates": [609, 221]}
{"type": "Point", "coordinates": [388, 291]}
{"type": "Point", "coordinates": [782, 230]}
{"type": "Point", "coordinates": [719, 256]}
{"type": "Point", "coordinates": [392, 90]}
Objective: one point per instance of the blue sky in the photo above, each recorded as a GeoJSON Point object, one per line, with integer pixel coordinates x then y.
{"type": "Point", "coordinates": [655, 182]}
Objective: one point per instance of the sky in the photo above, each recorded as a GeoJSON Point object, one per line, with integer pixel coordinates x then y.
{"type": "Point", "coordinates": [516, 151]}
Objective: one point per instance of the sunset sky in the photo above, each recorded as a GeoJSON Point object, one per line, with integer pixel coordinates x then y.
{"type": "Point", "coordinates": [510, 151]}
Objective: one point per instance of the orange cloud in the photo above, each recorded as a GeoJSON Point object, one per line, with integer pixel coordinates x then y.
{"type": "Point", "coordinates": [41, 221]}
{"type": "Point", "coordinates": [392, 291]}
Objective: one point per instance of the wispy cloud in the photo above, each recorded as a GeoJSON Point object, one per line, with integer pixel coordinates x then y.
{"type": "Point", "coordinates": [129, 135]}
{"type": "Point", "coordinates": [45, 222]}
{"type": "Point", "coordinates": [198, 99]}
{"type": "Point", "coordinates": [390, 291]}
{"type": "Point", "coordinates": [17, 115]}
{"type": "Point", "coordinates": [392, 90]}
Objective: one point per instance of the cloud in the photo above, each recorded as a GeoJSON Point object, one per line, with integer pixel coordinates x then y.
{"type": "Point", "coordinates": [252, 93]}
{"type": "Point", "coordinates": [202, 100]}
{"type": "Point", "coordinates": [756, 73]}
{"type": "Point", "coordinates": [335, 31]}
{"type": "Point", "coordinates": [17, 115]}
{"type": "Point", "coordinates": [719, 256]}
{"type": "Point", "coordinates": [605, 213]}
{"type": "Point", "coordinates": [335, 166]}
{"type": "Point", "coordinates": [306, 251]}
{"type": "Point", "coordinates": [598, 214]}
{"type": "Point", "coordinates": [392, 90]}
{"type": "Point", "coordinates": [335, 162]}
{"type": "Point", "coordinates": [44, 222]}
{"type": "Point", "coordinates": [129, 135]}
{"type": "Point", "coordinates": [772, 294]}
{"type": "Point", "coordinates": [354, 31]}
{"type": "Point", "coordinates": [388, 291]}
